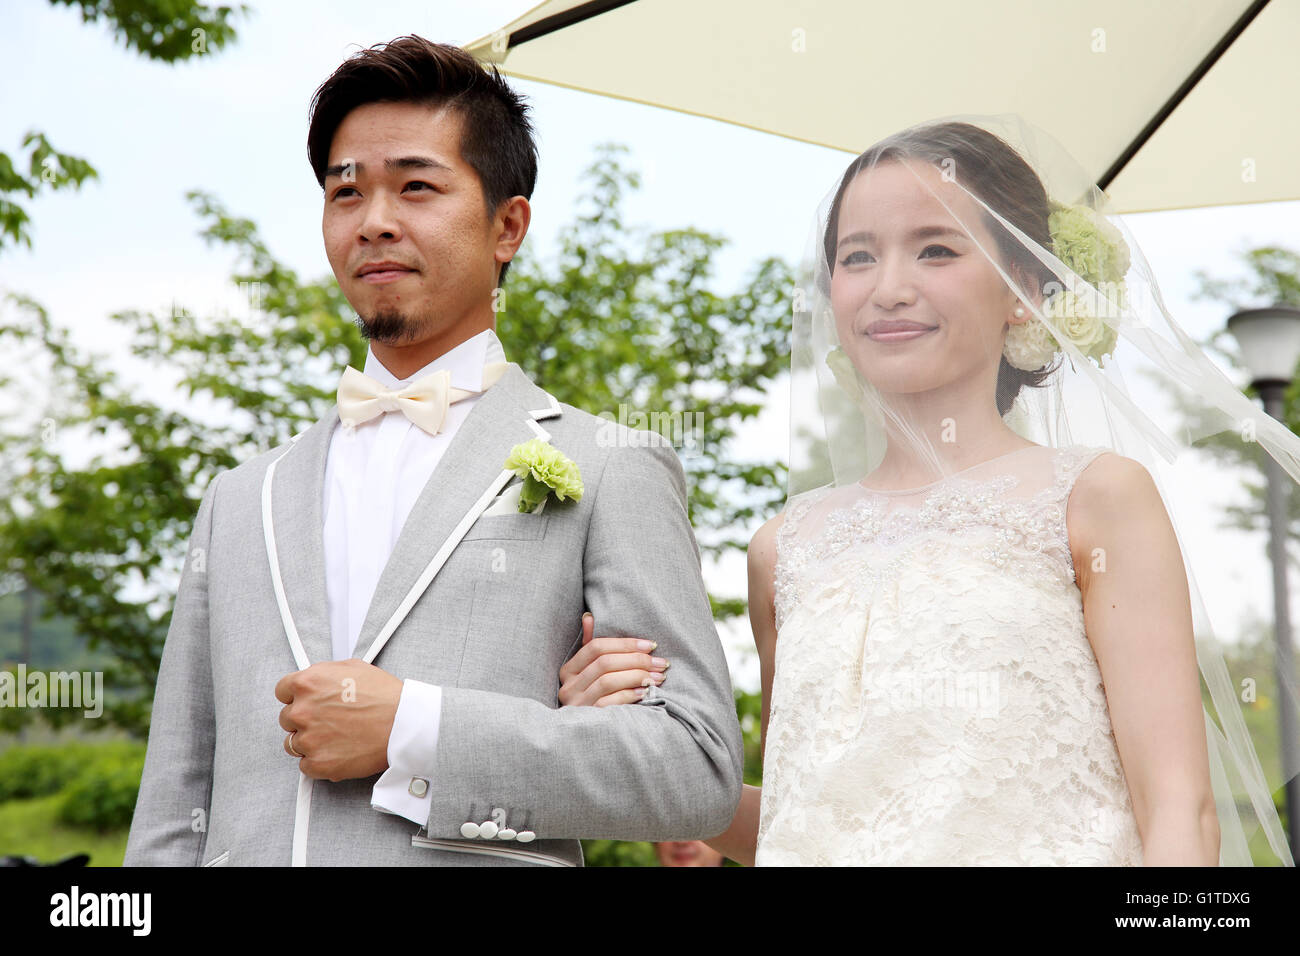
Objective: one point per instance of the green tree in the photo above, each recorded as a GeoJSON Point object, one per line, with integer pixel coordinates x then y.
{"type": "Point", "coordinates": [626, 318]}
{"type": "Point", "coordinates": [167, 31]}
{"type": "Point", "coordinates": [164, 30]}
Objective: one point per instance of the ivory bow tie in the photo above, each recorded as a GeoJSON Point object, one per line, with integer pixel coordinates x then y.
{"type": "Point", "coordinates": [424, 401]}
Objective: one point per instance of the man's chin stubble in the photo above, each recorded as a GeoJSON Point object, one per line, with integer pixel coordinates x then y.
{"type": "Point", "coordinates": [392, 328]}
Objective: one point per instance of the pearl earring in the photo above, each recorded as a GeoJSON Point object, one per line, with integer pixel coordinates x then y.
{"type": "Point", "coordinates": [1020, 312]}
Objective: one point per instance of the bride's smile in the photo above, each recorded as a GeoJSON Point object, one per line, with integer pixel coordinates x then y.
{"type": "Point", "coordinates": [897, 330]}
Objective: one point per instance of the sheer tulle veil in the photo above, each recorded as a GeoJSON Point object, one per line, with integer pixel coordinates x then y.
{"type": "Point", "coordinates": [1093, 357]}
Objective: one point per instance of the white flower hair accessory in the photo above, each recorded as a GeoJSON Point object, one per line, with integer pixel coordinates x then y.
{"type": "Point", "coordinates": [1094, 250]}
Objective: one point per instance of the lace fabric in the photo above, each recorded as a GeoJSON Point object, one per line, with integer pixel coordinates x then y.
{"type": "Point", "coordinates": [936, 700]}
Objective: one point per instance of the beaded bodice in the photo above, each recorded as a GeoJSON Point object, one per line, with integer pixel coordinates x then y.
{"type": "Point", "coordinates": [1021, 515]}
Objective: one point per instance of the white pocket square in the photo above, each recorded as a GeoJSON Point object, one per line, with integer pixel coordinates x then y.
{"type": "Point", "coordinates": [507, 503]}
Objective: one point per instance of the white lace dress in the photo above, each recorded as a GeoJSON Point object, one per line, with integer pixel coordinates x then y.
{"type": "Point", "coordinates": [936, 700]}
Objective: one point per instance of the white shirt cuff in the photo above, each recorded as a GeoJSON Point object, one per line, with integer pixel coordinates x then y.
{"type": "Point", "coordinates": [406, 787]}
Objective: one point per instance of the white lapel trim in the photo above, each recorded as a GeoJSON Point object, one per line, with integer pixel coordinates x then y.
{"type": "Point", "coordinates": [302, 819]}
{"type": "Point", "coordinates": [302, 809]}
{"type": "Point", "coordinates": [272, 556]}
{"type": "Point", "coordinates": [549, 412]}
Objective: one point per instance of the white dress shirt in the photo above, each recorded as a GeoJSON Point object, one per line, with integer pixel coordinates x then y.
{"type": "Point", "coordinates": [373, 475]}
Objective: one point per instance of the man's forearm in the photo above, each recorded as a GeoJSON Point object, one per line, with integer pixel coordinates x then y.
{"type": "Point", "coordinates": [649, 771]}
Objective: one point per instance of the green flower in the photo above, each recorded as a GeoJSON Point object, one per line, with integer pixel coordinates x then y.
{"type": "Point", "coordinates": [1088, 243]}
{"type": "Point", "coordinates": [545, 470]}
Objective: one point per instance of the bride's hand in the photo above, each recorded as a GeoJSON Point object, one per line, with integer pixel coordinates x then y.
{"type": "Point", "coordinates": [609, 670]}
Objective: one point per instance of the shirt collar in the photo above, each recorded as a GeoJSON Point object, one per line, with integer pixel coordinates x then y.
{"type": "Point", "coordinates": [465, 362]}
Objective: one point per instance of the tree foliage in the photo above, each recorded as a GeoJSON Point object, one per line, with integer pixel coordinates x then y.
{"type": "Point", "coordinates": [164, 30]}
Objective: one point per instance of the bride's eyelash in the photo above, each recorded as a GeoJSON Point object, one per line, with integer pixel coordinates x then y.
{"type": "Point", "coordinates": [848, 260]}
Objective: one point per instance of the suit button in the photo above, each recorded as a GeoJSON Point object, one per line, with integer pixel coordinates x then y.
{"type": "Point", "coordinates": [506, 834]}
{"type": "Point", "coordinates": [525, 836]}
{"type": "Point", "coordinates": [419, 787]}
{"type": "Point", "coordinates": [487, 829]}
{"type": "Point", "coordinates": [469, 830]}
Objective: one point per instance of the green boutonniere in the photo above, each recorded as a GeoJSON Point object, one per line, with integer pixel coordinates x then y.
{"type": "Point", "coordinates": [545, 470]}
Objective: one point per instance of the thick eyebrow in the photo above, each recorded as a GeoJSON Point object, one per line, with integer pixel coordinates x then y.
{"type": "Point", "coordinates": [924, 232]}
{"type": "Point", "coordinates": [392, 165]}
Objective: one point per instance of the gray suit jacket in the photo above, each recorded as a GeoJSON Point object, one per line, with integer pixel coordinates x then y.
{"type": "Point", "coordinates": [494, 624]}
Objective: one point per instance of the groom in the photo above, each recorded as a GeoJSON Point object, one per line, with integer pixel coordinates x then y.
{"type": "Point", "coordinates": [363, 661]}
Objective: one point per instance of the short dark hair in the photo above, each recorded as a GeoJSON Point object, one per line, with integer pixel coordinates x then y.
{"type": "Point", "coordinates": [998, 175]}
{"type": "Point", "coordinates": [496, 137]}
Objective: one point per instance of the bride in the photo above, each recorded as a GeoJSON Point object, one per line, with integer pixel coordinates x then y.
{"type": "Point", "coordinates": [986, 649]}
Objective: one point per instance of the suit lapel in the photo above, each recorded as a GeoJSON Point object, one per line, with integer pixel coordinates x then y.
{"type": "Point", "coordinates": [297, 496]}
{"type": "Point", "coordinates": [472, 463]}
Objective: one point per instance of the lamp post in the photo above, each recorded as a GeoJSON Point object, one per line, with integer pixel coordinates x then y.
{"type": "Point", "coordinates": [1270, 347]}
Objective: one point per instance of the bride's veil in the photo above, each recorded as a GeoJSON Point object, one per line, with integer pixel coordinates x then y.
{"type": "Point", "coordinates": [1093, 358]}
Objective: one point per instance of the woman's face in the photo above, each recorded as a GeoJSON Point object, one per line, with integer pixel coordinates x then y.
{"type": "Point", "coordinates": [917, 305]}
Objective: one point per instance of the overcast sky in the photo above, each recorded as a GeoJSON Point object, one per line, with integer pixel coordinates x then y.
{"type": "Point", "coordinates": [234, 124]}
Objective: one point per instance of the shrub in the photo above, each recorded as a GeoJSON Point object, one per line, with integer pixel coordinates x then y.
{"type": "Point", "coordinates": [104, 795]}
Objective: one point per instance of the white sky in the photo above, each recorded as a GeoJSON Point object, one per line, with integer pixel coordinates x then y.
{"type": "Point", "coordinates": [234, 124]}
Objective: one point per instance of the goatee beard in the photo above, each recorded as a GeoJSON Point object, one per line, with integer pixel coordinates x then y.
{"type": "Point", "coordinates": [390, 327]}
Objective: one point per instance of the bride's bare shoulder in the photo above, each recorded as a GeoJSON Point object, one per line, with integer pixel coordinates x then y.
{"type": "Point", "coordinates": [762, 565]}
{"type": "Point", "coordinates": [1112, 492]}
{"type": "Point", "coordinates": [763, 544]}
{"type": "Point", "coordinates": [1111, 481]}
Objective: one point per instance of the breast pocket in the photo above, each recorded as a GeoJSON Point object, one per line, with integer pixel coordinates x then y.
{"type": "Point", "coordinates": [502, 520]}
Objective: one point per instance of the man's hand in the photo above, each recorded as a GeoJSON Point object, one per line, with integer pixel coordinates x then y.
{"type": "Point", "coordinates": [340, 714]}
{"type": "Point", "coordinates": [609, 670]}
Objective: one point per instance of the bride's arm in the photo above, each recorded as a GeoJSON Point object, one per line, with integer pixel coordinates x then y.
{"type": "Point", "coordinates": [1138, 616]}
{"type": "Point", "coordinates": [740, 841]}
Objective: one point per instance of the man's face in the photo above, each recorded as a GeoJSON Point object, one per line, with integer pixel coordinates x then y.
{"type": "Point", "coordinates": [398, 191]}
